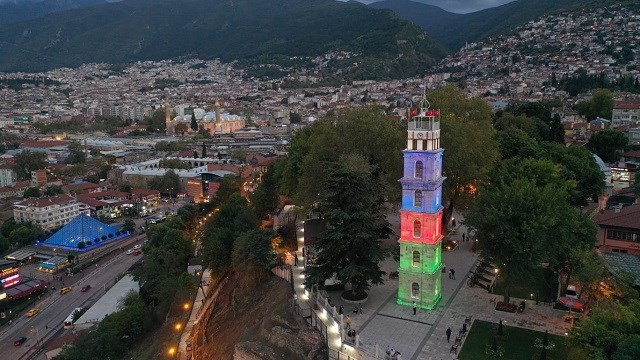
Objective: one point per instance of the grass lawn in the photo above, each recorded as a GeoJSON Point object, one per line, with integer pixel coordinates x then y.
{"type": "Point", "coordinates": [541, 282]}
{"type": "Point", "coordinates": [515, 344]}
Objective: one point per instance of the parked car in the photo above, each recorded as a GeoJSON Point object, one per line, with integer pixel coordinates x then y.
{"type": "Point", "coordinates": [20, 341]}
{"type": "Point", "coordinates": [136, 247]}
{"type": "Point", "coordinates": [33, 312]}
{"type": "Point", "coordinates": [130, 251]}
{"type": "Point", "coordinates": [137, 252]}
{"type": "Point", "coordinates": [85, 288]}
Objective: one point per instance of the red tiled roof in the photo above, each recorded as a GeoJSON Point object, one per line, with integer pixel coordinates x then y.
{"type": "Point", "coordinates": [627, 217]}
{"type": "Point", "coordinates": [42, 202]}
{"type": "Point", "coordinates": [42, 144]}
{"type": "Point", "coordinates": [627, 105]}
{"type": "Point", "coordinates": [90, 201]}
{"type": "Point", "coordinates": [631, 154]}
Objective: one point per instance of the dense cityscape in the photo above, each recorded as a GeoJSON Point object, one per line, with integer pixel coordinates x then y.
{"type": "Point", "coordinates": [294, 207]}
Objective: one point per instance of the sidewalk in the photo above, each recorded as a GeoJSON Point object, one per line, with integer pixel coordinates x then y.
{"type": "Point", "coordinates": [193, 316]}
{"type": "Point", "coordinates": [334, 340]}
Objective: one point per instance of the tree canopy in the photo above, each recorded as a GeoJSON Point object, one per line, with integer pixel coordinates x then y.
{"type": "Point", "coordinates": [608, 144]}
{"type": "Point", "coordinates": [600, 105]}
{"type": "Point", "coordinates": [351, 246]}
{"type": "Point", "coordinates": [169, 183]}
{"type": "Point", "coordinates": [28, 161]}
{"type": "Point", "coordinates": [363, 131]}
{"type": "Point", "coordinates": [471, 150]}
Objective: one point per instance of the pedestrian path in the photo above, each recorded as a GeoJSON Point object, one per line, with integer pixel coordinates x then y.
{"type": "Point", "coordinates": [423, 336]}
{"type": "Point", "coordinates": [306, 301]}
{"type": "Point", "coordinates": [196, 310]}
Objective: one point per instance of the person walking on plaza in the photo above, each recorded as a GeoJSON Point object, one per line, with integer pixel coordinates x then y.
{"type": "Point", "coordinates": [415, 307]}
{"type": "Point", "coordinates": [295, 257]}
{"type": "Point", "coordinates": [448, 333]}
{"type": "Point", "coordinates": [361, 308]}
{"type": "Point", "coordinates": [450, 273]}
{"type": "Point", "coordinates": [347, 322]}
{"type": "Point", "coordinates": [453, 274]}
{"type": "Point", "coordinates": [463, 236]}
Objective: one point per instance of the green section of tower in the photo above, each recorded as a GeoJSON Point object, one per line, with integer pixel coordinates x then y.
{"type": "Point", "coordinates": [419, 274]}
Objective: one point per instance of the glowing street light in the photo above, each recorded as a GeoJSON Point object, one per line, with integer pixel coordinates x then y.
{"type": "Point", "coordinates": [171, 351]}
{"type": "Point", "coordinates": [186, 306]}
{"type": "Point", "coordinates": [178, 326]}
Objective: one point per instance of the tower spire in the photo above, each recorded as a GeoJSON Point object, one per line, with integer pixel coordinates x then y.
{"type": "Point", "coordinates": [167, 116]}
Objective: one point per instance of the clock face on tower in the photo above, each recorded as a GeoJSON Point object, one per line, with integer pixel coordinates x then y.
{"type": "Point", "coordinates": [420, 135]}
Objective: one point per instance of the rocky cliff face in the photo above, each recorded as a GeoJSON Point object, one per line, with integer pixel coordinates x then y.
{"type": "Point", "coordinates": [283, 339]}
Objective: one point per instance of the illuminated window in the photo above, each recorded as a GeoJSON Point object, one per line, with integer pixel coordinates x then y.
{"type": "Point", "coordinates": [417, 228]}
{"type": "Point", "coordinates": [418, 170]}
{"type": "Point", "coordinates": [417, 198]}
{"type": "Point", "coordinates": [415, 291]}
{"type": "Point", "coordinates": [416, 258]}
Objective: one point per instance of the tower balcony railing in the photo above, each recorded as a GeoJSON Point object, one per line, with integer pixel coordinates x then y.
{"type": "Point", "coordinates": [425, 124]}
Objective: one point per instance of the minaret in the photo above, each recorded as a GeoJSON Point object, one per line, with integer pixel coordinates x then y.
{"type": "Point", "coordinates": [419, 273]}
{"type": "Point", "coordinates": [218, 110]}
{"type": "Point", "coordinates": [167, 117]}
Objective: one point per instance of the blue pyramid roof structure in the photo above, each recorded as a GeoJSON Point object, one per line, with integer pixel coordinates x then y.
{"type": "Point", "coordinates": [85, 229]}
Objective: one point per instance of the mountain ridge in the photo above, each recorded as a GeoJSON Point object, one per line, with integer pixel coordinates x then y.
{"type": "Point", "coordinates": [11, 12]}
{"type": "Point", "coordinates": [453, 30]}
{"type": "Point", "coordinates": [135, 30]}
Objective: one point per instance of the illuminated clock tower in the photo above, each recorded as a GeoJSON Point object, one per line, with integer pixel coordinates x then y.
{"type": "Point", "coordinates": [420, 270]}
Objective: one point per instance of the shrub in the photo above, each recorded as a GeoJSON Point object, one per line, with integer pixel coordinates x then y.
{"type": "Point", "coordinates": [81, 245]}
{"type": "Point", "coordinates": [110, 236]}
{"type": "Point", "coordinates": [89, 243]}
{"type": "Point", "coordinates": [104, 237]}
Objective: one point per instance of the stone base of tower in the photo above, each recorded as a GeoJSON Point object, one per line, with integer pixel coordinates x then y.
{"type": "Point", "coordinates": [429, 289]}
{"type": "Point", "coordinates": [420, 274]}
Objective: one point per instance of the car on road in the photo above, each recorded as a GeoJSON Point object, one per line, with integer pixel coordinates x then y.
{"type": "Point", "coordinates": [85, 288]}
{"type": "Point", "coordinates": [33, 312]}
{"type": "Point", "coordinates": [136, 247]}
{"type": "Point", "coordinates": [130, 251]}
{"type": "Point", "coordinates": [137, 252]}
{"type": "Point", "coordinates": [449, 245]}
{"type": "Point", "coordinates": [19, 341]}
{"type": "Point", "coordinates": [65, 290]}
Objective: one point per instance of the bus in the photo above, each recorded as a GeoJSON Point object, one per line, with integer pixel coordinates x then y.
{"type": "Point", "coordinates": [70, 319]}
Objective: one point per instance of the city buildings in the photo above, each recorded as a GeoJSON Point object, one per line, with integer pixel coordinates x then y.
{"type": "Point", "coordinates": [50, 212]}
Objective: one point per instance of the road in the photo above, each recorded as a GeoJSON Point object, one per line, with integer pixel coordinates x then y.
{"type": "Point", "coordinates": [55, 308]}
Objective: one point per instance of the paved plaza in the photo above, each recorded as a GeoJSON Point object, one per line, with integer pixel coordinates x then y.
{"type": "Point", "coordinates": [423, 336]}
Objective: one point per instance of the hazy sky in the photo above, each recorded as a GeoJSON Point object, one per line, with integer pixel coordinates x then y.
{"type": "Point", "coordinates": [458, 6]}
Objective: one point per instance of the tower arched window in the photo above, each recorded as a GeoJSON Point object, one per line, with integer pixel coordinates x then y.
{"type": "Point", "coordinates": [415, 291]}
{"type": "Point", "coordinates": [417, 198]}
{"type": "Point", "coordinates": [417, 229]}
{"type": "Point", "coordinates": [419, 169]}
{"type": "Point", "coordinates": [416, 258]}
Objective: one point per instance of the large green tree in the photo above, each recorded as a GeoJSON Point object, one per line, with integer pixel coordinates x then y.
{"type": "Point", "coordinates": [32, 192]}
{"type": "Point", "coordinates": [253, 252]}
{"type": "Point", "coordinates": [608, 328]}
{"type": "Point", "coordinates": [351, 246]}
{"type": "Point", "coordinates": [219, 234]}
{"type": "Point", "coordinates": [363, 131]}
{"type": "Point", "coordinates": [169, 183]}
{"type": "Point", "coordinates": [608, 144]}
{"type": "Point", "coordinates": [471, 150]}
{"type": "Point", "coordinates": [515, 223]}
{"type": "Point", "coordinates": [265, 198]}
{"type": "Point", "coordinates": [28, 161]}
{"type": "Point", "coordinates": [76, 153]}
{"type": "Point", "coordinates": [600, 105]}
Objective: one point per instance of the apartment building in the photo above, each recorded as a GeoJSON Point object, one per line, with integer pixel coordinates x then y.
{"type": "Point", "coordinates": [49, 213]}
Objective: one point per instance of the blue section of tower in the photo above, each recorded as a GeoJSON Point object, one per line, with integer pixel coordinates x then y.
{"type": "Point", "coordinates": [430, 184]}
